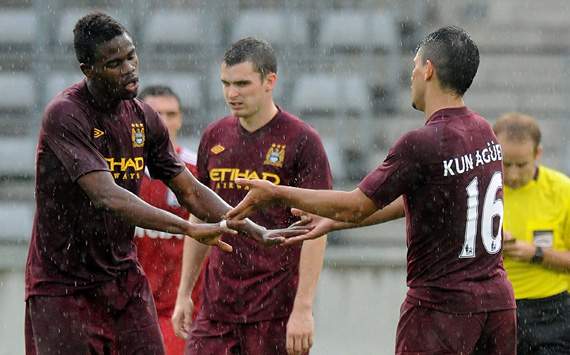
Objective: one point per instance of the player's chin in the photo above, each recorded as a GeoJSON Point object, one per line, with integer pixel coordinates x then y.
{"type": "Point", "coordinates": [128, 94]}
{"type": "Point", "coordinates": [236, 111]}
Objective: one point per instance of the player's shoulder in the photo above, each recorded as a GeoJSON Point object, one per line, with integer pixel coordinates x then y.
{"type": "Point", "coordinates": [64, 107]}
{"type": "Point", "coordinates": [297, 126]}
{"type": "Point", "coordinates": [419, 136]}
{"type": "Point", "coordinates": [188, 156]}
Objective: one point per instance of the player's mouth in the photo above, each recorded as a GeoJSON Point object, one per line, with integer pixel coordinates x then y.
{"type": "Point", "coordinates": [132, 84]}
{"type": "Point", "coordinates": [236, 105]}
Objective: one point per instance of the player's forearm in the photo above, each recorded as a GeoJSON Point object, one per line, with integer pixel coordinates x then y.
{"type": "Point", "coordinates": [310, 265]}
{"type": "Point", "coordinates": [105, 194]}
{"type": "Point", "coordinates": [338, 205]}
{"type": "Point", "coordinates": [203, 203]}
{"type": "Point", "coordinates": [391, 212]}
{"type": "Point", "coordinates": [138, 212]}
{"type": "Point", "coordinates": [557, 260]}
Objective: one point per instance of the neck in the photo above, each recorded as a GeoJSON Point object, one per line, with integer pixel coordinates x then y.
{"type": "Point", "coordinates": [101, 97]}
{"type": "Point", "coordinates": [440, 100]}
{"type": "Point", "coordinates": [259, 119]}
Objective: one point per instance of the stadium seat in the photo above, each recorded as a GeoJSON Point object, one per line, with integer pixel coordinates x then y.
{"type": "Point", "coordinates": [17, 27]}
{"type": "Point", "coordinates": [328, 93]}
{"type": "Point", "coordinates": [17, 156]}
{"type": "Point", "coordinates": [358, 30]}
{"type": "Point", "coordinates": [187, 86]}
{"type": "Point", "coordinates": [526, 13]}
{"type": "Point", "coordinates": [175, 29]}
{"type": "Point", "coordinates": [522, 72]}
{"type": "Point", "coordinates": [278, 27]}
{"type": "Point", "coordinates": [70, 17]}
{"type": "Point", "coordinates": [18, 91]}
{"type": "Point", "coordinates": [16, 220]}
{"type": "Point", "coordinates": [61, 80]}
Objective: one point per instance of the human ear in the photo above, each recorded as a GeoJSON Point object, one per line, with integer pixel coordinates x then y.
{"type": "Point", "coordinates": [87, 70]}
{"type": "Point", "coordinates": [539, 151]}
{"type": "Point", "coordinates": [430, 69]}
{"type": "Point", "coordinates": [271, 80]}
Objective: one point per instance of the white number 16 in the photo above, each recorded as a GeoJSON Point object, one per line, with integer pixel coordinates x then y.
{"type": "Point", "coordinates": [491, 207]}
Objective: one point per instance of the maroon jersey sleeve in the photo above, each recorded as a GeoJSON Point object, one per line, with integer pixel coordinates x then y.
{"type": "Point", "coordinates": [163, 162]}
{"type": "Point", "coordinates": [66, 132]}
{"type": "Point", "coordinates": [399, 172]}
{"type": "Point", "coordinates": [202, 160]}
{"type": "Point", "coordinates": [313, 165]}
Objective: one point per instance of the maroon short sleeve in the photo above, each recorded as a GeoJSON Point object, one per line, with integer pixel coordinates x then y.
{"type": "Point", "coordinates": [163, 163]}
{"type": "Point", "coordinates": [313, 165]}
{"type": "Point", "coordinates": [202, 160]}
{"type": "Point", "coordinates": [68, 137]}
{"type": "Point", "coordinates": [398, 173]}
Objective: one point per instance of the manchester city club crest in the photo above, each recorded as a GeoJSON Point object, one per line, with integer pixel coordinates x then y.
{"type": "Point", "coordinates": [137, 134]}
{"type": "Point", "coordinates": [275, 155]}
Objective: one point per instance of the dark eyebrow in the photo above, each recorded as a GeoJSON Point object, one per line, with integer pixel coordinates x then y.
{"type": "Point", "coordinates": [237, 82]}
{"type": "Point", "coordinates": [130, 53]}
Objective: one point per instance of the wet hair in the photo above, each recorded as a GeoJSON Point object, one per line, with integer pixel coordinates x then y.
{"type": "Point", "coordinates": [454, 55]}
{"type": "Point", "coordinates": [258, 52]}
{"type": "Point", "coordinates": [158, 90]}
{"type": "Point", "coordinates": [518, 127]}
{"type": "Point", "coordinates": [90, 31]}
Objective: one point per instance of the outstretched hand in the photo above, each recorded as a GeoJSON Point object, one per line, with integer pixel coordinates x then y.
{"type": "Point", "coordinates": [270, 237]}
{"type": "Point", "coordinates": [261, 193]}
{"type": "Point", "coordinates": [211, 233]}
{"type": "Point", "coordinates": [317, 226]}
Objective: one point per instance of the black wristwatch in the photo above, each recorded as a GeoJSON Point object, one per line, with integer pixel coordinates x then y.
{"type": "Point", "coordinates": [538, 256]}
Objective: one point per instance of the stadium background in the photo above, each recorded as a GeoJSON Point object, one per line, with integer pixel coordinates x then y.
{"type": "Point", "coordinates": [344, 67]}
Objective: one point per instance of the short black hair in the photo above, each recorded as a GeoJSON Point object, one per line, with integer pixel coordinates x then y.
{"type": "Point", "coordinates": [158, 90]}
{"type": "Point", "coordinates": [90, 31]}
{"type": "Point", "coordinates": [454, 55]}
{"type": "Point", "coordinates": [257, 51]}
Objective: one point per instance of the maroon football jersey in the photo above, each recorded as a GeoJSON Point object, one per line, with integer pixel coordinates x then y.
{"type": "Point", "coordinates": [256, 283]}
{"type": "Point", "coordinates": [74, 245]}
{"type": "Point", "coordinates": [450, 174]}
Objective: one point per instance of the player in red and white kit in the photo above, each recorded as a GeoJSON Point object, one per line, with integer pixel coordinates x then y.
{"type": "Point", "coordinates": [160, 253]}
{"type": "Point", "coordinates": [446, 178]}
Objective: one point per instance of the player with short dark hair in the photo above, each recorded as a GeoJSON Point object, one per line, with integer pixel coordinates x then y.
{"type": "Point", "coordinates": [85, 291]}
{"type": "Point", "coordinates": [537, 237]}
{"type": "Point", "coordinates": [446, 178]}
{"type": "Point", "coordinates": [258, 300]}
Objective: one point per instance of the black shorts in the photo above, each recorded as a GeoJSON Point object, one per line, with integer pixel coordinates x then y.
{"type": "Point", "coordinates": [544, 325]}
